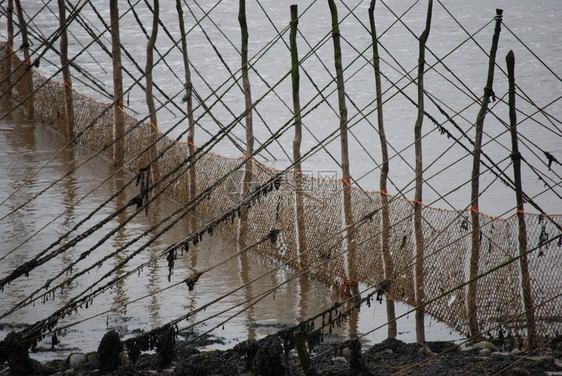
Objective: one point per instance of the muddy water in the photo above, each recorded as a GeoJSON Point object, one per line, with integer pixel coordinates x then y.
{"type": "Point", "coordinates": [33, 157]}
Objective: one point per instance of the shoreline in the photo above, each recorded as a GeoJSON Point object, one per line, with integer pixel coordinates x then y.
{"type": "Point", "coordinates": [178, 354]}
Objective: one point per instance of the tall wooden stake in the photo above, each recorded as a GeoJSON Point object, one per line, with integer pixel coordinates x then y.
{"type": "Point", "coordinates": [119, 115]}
{"type": "Point", "coordinates": [295, 76]}
{"type": "Point", "coordinates": [516, 157]}
{"type": "Point", "coordinates": [68, 103]}
{"type": "Point", "coordinates": [418, 228]}
{"type": "Point", "coordinates": [346, 176]}
{"type": "Point", "coordinates": [387, 257]}
{"type": "Point", "coordinates": [149, 96]}
{"type": "Point", "coordinates": [189, 100]}
{"type": "Point", "coordinates": [247, 180]}
{"type": "Point", "coordinates": [7, 60]}
{"type": "Point", "coordinates": [28, 76]}
{"type": "Point", "coordinates": [475, 239]}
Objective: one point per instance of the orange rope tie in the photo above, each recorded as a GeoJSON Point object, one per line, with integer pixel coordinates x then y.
{"type": "Point", "coordinates": [297, 171]}
{"type": "Point", "coordinates": [27, 62]}
{"type": "Point", "coordinates": [67, 84]}
{"type": "Point", "coordinates": [246, 156]}
{"type": "Point", "coordinates": [190, 142]}
{"type": "Point", "coordinates": [153, 124]}
{"type": "Point", "coordinates": [520, 211]}
{"type": "Point", "coordinates": [345, 287]}
{"type": "Point", "coordinates": [346, 180]}
{"type": "Point", "coordinates": [474, 209]}
{"type": "Point", "coordinates": [383, 191]}
{"type": "Point", "coordinates": [119, 104]}
{"type": "Point", "coordinates": [415, 201]}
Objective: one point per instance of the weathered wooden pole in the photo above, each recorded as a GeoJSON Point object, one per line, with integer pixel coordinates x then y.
{"type": "Point", "coordinates": [27, 88]}
{"type": "Point", "coordinates": [7, 59]}
{"type": "Point", "coordinates": [304, 357]}
{"type": "Point", "coordinates": [475, 190]}
{"type": "Point", "coordinates": [386, 256]}
{"type": "Point", "coordinates": [247, 179]}
{"type": "Point", "coordinates": [119, 115]}
{"type": "Point", "coordinates": [155, 172]}
{"type": "Point", "coordinates": [189, 99]}
{"type": "Point", "coordinates": [299, 197]}
{"type": "Point", "coordinates": [68, 130]}
{"type": "Point", "coordinates": [350, 235]}
{"type": "Point", "coordinates": [516, 157]}
{"type": "Point", "coordinates": [418, 225]}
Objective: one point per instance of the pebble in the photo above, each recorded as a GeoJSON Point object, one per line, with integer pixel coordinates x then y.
{"type": "Point", "coordinates": [424, 350]}
{"type": "Point", "coordinates": [516, 351]}
{"type": "Point", "coordinates": [76, 359]}
{"type": "Point", "coordinates": [339, 359]}
{"type": "Point", "coordinates": [486, 345]}
{"type": "Point", "coordinates": [485, 352]}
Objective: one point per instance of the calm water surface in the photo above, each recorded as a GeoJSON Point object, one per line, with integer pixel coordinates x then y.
{"type": "Point", "coordinates": [25, 149]}
{"type": "Point", "coordinates": [31, 160]}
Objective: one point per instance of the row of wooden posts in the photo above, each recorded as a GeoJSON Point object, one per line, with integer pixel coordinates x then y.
{"type": "Point", "coordinates": [350, 241]}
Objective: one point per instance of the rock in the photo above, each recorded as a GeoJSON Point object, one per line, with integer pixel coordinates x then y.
{"type": "Point", "coordinates": [487, 345]}
{"type": "Point", "coordinates": [485, 352]}
{"type": "Point", "coordinates": [14, 350]}
{"type": "Point", "coordinates": [76, 359]}
{"type": "Point", "coordinates": [109, 349]}
{"type": "Point", "coordinates": [516, 351]}
{"type": "Point", "coordinates": [339, 360]}
{"type": "Point", "coordinates": [123, 358]}
{"type": "Point", "coordinates": [424, 350]}
{"type": "Point", "coordinates": [518, 371]}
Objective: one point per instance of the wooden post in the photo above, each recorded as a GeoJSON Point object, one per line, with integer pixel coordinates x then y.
{"type": "Point", "coordinates": [27, 87]}
{"type": "Point", "coordinates": [119, 115]}
{"type": "Point", "coordinates": [386, 256]}
{"type": "Point", "coordinates": [300, 345]}
{"type": "Point", "coordinates": [418, 227]}
{"type": "Point", "coordinates": [516, 157]}
{"type": "Point", "coordinates": [68, 130]}
{"type": "Point", "coordinates": [149, 96]}
{"type": "Point", "coordinates": [7, 59]}
{"type": "Point", "coordinates": [189, 100]}
{"type": "Point", "coordinates": [247, 180]}
{"type": "Point", "coordinates": [299, 197]}
{"type": "Point", "coordinates": [475, 182]}
{"type": "Point", "coordinates": [346, 176]}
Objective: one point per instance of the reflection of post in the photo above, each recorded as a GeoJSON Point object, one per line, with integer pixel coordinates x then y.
{"type": "Point", "coordinates": [475, 184]}
{"type": "Point", "coordinates": [119, 115]}
{"type": "Point", "coordinates": [120, 296]}
{"type": "Point", "coordinates": [387, 257]}
{"type": "Point", "coordinates": [516, 157]}
{"type": "Point", "coordinates": [68, 106]}
{"type": "Point", "coordinates": [304, 288]}
{"type": "Point", "coordinates": [299, 209]}
{"type": "Point", "coordinates": [249, 124]}
{"type": "Point", "coordinates": [27, 88]}
{"type": "Point", "coordinates": [245, 276]}
{"type": "Point", "coordinates": [346, 176]}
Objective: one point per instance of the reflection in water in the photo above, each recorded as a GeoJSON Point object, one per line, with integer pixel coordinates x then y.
{"type": "Point", "coordinates": [25, 150]}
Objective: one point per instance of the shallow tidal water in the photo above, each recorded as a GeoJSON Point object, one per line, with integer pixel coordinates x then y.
{"type": "Point", "coordinates": [30, 163]}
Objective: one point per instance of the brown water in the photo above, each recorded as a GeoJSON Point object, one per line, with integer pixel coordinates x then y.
{"type": "Point", "coordinates": [33, 156]}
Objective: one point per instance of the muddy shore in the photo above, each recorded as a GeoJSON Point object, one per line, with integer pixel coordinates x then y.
{"type": "Point", "coordinates": [278, 356]}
